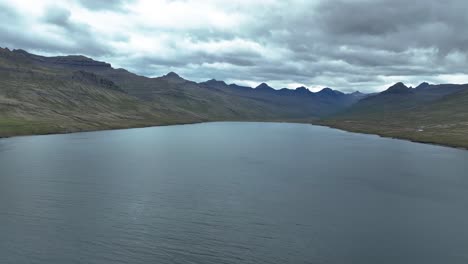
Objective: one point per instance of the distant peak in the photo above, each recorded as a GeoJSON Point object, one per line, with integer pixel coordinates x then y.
{"type": "Point", "coordinates": [399, 85]}
{"type": "Point", "coordinates": [233, 85]}
{"type": "Point", "coordinates": [172, 75]}
{"type": "Point", "coordinates": [302, 89]}
{"type": "Point", "coordinates": [423, 85]}
{"type": "Point", "coordinates": [264, 86]}
{"type": "Point", "coordinates": [329, 92]}
{"type": "Point", "coordinates": [358, 94]}
{"type": "Point", "coordinates": [214, 82]}
{"type": "Point", "coordinates": [326, 90]}
{"type": "Point", "coordinates": [397, 88]}
{"type": "Point", "coordinates": [21, 51]}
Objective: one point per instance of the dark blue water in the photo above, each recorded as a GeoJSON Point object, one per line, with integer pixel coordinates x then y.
{"type": "Point", "coordinates": [231, 193]}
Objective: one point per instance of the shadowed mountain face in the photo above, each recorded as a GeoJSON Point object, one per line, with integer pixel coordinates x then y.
{"type": "Point", "coordinates": [263, 87]}
{"type": "Point", "coordinates": [398, 88]}
{"type": "Point", "coordinates": [399, 98]}
{"type": "Point", "coordinates": [300, 103]}
{"type": "Point", "coordinates": [427, 113]}
{"type": "Point", "coordinates": [70, 93]}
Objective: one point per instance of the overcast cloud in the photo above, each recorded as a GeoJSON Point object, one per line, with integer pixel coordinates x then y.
{"type": "Point", "coordinates": [348, 45]}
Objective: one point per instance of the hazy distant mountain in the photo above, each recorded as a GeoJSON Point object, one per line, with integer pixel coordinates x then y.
{"type": "Point", "coordinates": [398, 88]}
{"type": "Point", "coordinates": [298, 103]}
{"type": "Point", "coordinates": [263, 87]}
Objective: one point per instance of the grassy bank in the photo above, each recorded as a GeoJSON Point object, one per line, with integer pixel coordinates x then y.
{"type": "Point", "coordinates": [456, 136]}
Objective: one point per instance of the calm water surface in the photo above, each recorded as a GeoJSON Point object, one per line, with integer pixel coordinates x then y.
{"type": "Point", "coordinates": [231, 193]}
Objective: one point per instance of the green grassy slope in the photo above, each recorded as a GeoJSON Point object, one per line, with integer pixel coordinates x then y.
{"type": "Point", "coordinates": [38, 100]}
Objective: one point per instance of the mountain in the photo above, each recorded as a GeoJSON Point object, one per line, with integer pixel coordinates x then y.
{"type": "Point", "coordinates": [302, 91]}
{"type": "Point", "coordinates": [423, 85]}
{"type": "Point", "coordinates": [58, 94]}
{"type": "Point", "coordinates": [263, 87]}
{"type": "Point", "coordinates": [296, 104]}
{"type": "Point", "coordinates": [398, 88]}
{"type": "Point", "coordinates": [36, 98]}
{"type": "Point", "coordinates": [358, 95]}
{"type": "Point", "coordinates": [427, 113]}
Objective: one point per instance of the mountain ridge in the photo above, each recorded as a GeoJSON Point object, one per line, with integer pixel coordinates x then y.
{"type": "Point", "coordinates": [428, 113]}
{"type": "Point", "coordinates": [41, 95]}
{"type": "Point", "coordinates": [84, 61]}
{"type": "Point", "coordinates": [58, 94]}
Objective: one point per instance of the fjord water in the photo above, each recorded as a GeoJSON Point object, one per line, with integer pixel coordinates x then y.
{"type": "Point", "coordinates": [231, 193]}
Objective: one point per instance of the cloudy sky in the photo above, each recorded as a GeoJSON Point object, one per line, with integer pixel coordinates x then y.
{"type": "Point", "coordinates": [348, 45]}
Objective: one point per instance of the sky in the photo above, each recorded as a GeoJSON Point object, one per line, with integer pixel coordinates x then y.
{"type": "Point", "coordinates": [348, 45]}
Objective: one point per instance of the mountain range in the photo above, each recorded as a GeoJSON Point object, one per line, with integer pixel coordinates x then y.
{"type": "Point", "coordinates": [428, 113]}
{"type": "Point", "coordinates": [40, 95]}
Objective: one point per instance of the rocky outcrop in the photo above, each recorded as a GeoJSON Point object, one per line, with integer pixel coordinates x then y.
{"type": "Point", "coordinates": [93, 79]}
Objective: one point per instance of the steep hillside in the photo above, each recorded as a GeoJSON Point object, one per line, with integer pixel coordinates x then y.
{"type": "Point", "coordinates": [427, 113]}
{"type": "Point", "coordinates": [36, 99]}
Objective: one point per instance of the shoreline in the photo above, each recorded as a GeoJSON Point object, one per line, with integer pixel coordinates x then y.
{"type": "Point", "coordinates": [250, 121]}
{"type": "Point", "coordinates": [392, 137]}
{"type": "Point", "coordinates": [103, 129]}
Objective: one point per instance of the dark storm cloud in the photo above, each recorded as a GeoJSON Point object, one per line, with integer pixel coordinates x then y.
{"type": "Point", "coordinates": [73, 37]}
{"type": "Point", "coordinates": [81, 35]}
{"type": "Point", "coordinates": [386, 38]}
{"type": "Point", "coordinates": [103, 4]}
{"type": "Point", "coordinates": [396, 25]}
{"type": "Point", "coordinates": [198, 58]}
{"type": "Point", "coordinates": [7, 13]}
{"type": "Point", "coordinates": [58, 16]}
{"type": "Point", "coordinates": [12, 32]}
